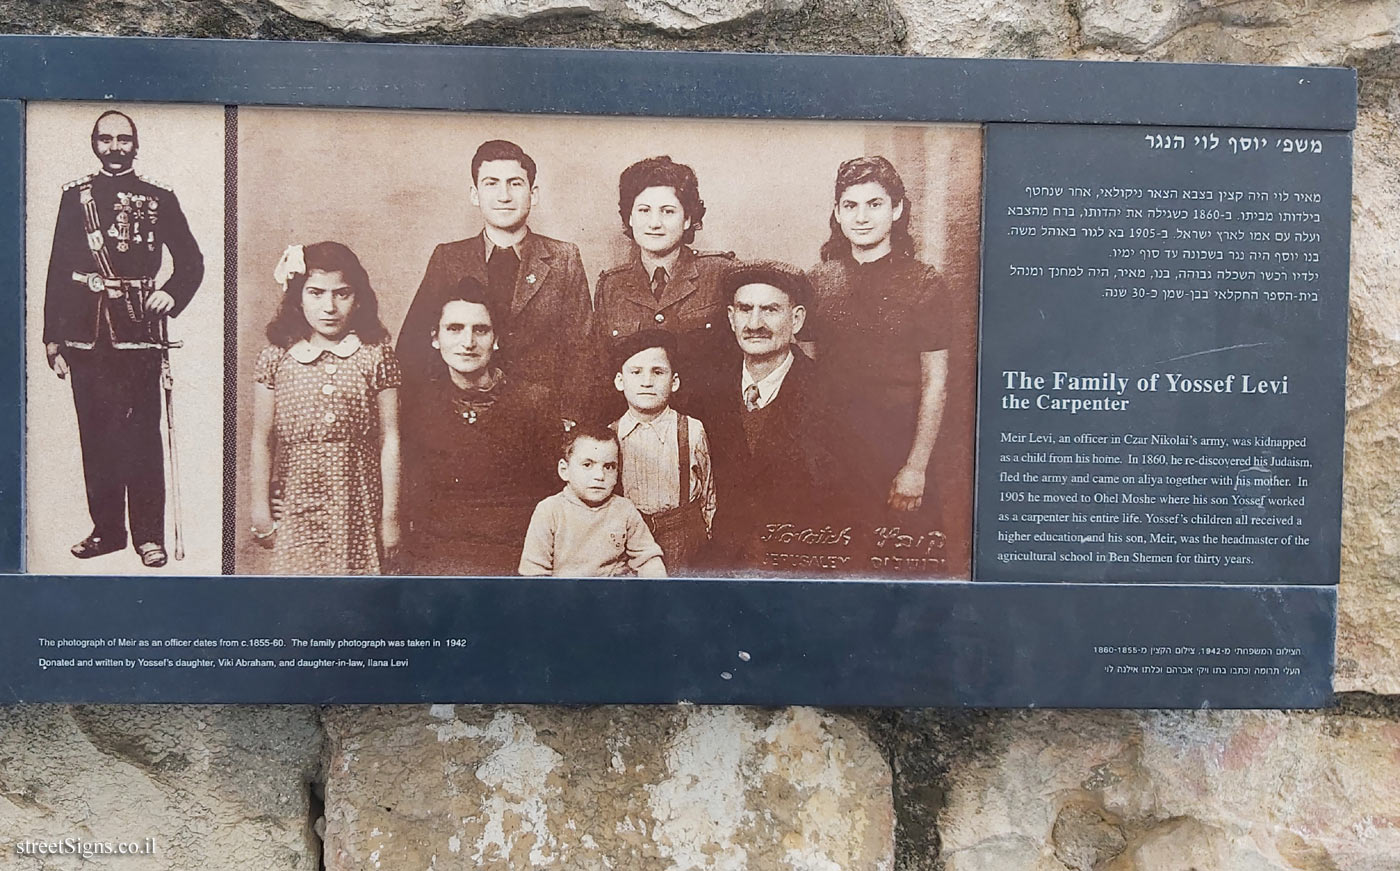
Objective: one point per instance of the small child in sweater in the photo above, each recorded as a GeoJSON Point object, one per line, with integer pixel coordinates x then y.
{"type": "Point", "coordinates": [585, 530]}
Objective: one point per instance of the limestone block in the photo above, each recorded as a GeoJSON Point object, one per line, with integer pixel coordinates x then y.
{"type": "Point", "coordinates": [1138, 25]}
{"type": "Point", "coordinates": [988, 28]}
{"type": "Point", "coordinates": [1368, 624]}
{"type": "Point", "coordinates": [379, 18]}
{"type": "Point", "coordinates": [1175, 791]}
{"type": "Point", "coordinates": [690, 14]}
{"type": "Point", "coordinates": [588, 789]}
{"type": "Point", "coordinates": [217, 788]}
{"type": "Point", "coordinates": [129, 18]}
{"type": "Point", "coordinates": [1238, 31]}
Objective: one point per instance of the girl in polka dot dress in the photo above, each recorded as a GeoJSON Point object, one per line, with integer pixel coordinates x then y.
{"type": "Point", "coordinates": [326, 421]}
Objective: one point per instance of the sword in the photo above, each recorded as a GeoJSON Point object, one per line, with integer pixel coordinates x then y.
{"type": "Point", "coordinates": [167, 383]}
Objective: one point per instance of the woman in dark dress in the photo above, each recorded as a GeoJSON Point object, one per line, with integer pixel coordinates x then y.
{"type": "Point", "coordinates": [882, 334]}
{"type": "Point", "coordinates": [479, 450]}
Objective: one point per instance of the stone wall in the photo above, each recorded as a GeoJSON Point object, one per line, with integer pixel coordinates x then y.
{"type": "Point", "coordinates": [721, 788]}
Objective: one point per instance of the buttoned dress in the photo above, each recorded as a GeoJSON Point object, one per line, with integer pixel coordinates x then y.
{"type": "Point", "coordinates": [872, 324]}
{"type": "Point", "coordinates": [327, 453]}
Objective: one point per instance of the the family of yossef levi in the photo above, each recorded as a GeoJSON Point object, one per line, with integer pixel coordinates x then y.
{"type": "Point", "coordinates": [517, 423]}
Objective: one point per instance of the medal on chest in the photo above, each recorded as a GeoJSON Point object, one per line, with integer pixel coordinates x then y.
{"type": "Point", "coordinates": [134, 220]}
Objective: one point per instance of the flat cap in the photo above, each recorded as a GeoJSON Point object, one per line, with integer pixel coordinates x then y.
{"type": "Point", "coordinates": [785, 277]}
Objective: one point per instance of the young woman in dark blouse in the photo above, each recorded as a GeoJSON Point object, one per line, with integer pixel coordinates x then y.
{"type": "Point", "coordinates": [882, 332]}
{"type": "Point", "coordinates": [479, 449]}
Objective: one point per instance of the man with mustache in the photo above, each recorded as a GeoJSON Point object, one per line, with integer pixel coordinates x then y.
{"type": "Point", "coordinates": [771, 425]}
{"type": "Point", "coordinates": [104, 331]}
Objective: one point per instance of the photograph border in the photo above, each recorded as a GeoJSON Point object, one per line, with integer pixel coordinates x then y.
{"type": "Point", "coordinates": [12, 392]}
{"type": "Point", "coordinates": [678, 632]}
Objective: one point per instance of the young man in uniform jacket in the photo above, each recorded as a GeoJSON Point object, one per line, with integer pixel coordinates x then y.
{"type": "Point", "coordinates": [770, 425]}
{"type": "Point", "coordinates": [104, 326]}
{"type": "Point", "coordinates": [537, 283]}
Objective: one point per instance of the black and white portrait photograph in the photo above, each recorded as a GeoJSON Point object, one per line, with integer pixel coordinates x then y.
{"type": "Point", "coordinates": [124, 351]}
{"type": "Point", "coordinates": [491, 345]}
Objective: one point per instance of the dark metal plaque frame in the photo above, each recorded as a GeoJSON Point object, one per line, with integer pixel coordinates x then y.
{"type": "Point", "coordinates": [762, 642]}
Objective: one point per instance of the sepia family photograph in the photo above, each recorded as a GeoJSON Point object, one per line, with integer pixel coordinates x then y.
{"type": "Point", "coordinates": [124, 338]}
{"type": "Point", "coordinates": [485, 345]}
{"type": "Point", "coordinates": [494, 345]}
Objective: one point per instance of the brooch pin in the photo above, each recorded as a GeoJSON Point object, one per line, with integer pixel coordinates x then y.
{"type": "Point", "coordinates": [530, 279]}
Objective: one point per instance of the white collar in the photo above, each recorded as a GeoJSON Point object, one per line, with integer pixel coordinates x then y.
{"type": "Point", "coordinates": [767, 388]}
{"type": "Point", "coordinates": [629, 422]}
{"type": "Point", "coordinates": [305, 352]}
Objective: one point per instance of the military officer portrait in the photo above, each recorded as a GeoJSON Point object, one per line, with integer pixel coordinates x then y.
{"type": "Point", "coordinates": [122, 263]}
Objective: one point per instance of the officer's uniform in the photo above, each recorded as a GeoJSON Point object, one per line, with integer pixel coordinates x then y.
{"type": "Point", "coordinates": [106, 253]}
{"type": "Point", "coordinates": [691, 304]}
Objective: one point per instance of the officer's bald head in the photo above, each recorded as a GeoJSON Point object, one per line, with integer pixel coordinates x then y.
{"type": "Point", "coordinates": [114, 140]}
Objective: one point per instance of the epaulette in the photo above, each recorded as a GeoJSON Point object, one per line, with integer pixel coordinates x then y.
{"type": "Point", "coordinates": [80, 181]}
{"type": "Point", "coordinates": [155, 184]}
{"type": "Point", "coordinates": [614, 271]}
{"type": "Point", "coordinates": [728, 255]}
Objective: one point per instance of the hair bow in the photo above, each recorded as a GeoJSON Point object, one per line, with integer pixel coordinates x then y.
{"type": "Point", "coordinates": [292, 264]}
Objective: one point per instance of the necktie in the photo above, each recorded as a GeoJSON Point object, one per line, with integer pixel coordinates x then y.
{"type": "Point", "coordinates": [751, 397]}
{"type": "Point", "coordinates": [500, 274]}
{"type": "Point", "coordinates": [658, 282]}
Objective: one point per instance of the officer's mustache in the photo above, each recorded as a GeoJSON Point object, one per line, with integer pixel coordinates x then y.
{"type": "Point", "coordinates": [758, 334]}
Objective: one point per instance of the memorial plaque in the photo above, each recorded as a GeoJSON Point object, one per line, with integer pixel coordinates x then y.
{"type": "Point", "coordinates": [893, 381]}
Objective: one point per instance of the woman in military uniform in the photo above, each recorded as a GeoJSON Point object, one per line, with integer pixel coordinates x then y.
{"type": "Point", "coordinates": [665, 284]}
